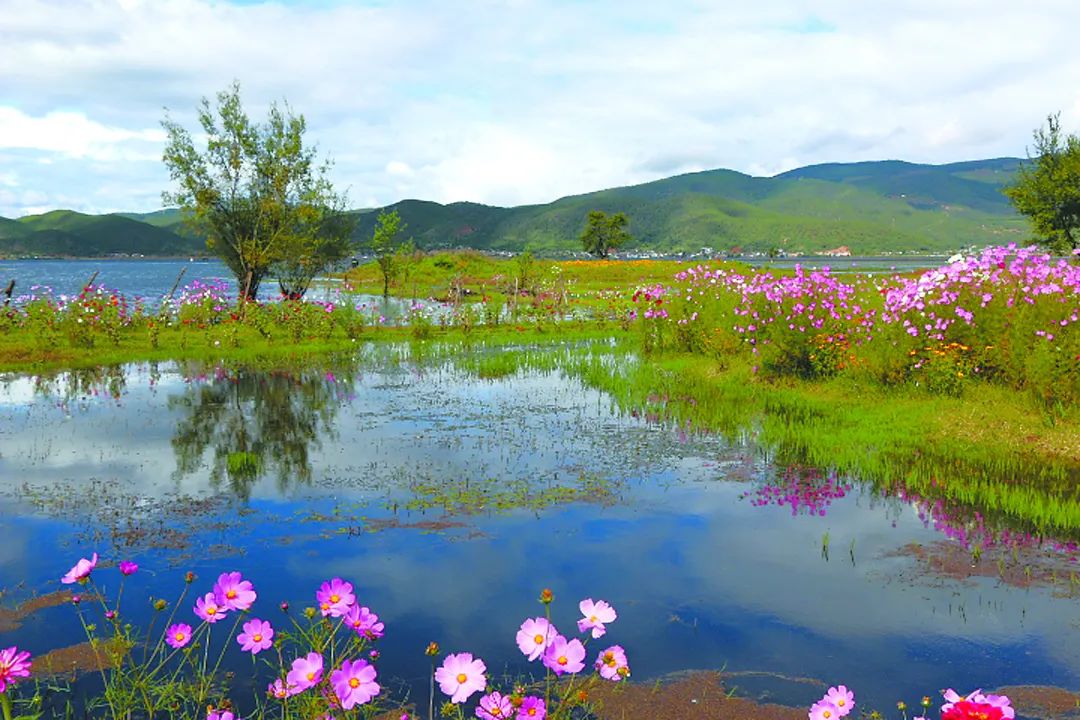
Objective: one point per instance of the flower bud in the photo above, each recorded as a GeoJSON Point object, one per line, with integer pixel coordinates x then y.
{"type": "Point", "coordinates": [160, 605]}
{"type": "Point", "coordinates": [432, 649]}
{"type": "Point", "coordinates": [76, 599]}
{"type": "Point", "coordinates": [189, 577]}
{"type": "Point", "coordinates": [110, 614]}
{"type": "Point", "coordinates": [546, 596]}
{"type": "Point", "coordinates": [284, 606]}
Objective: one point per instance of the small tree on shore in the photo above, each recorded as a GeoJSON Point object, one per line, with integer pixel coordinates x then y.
{"type": "Point", "coordinates": [258, 194]}
{"type": "Point", "coordinates": [604, 233]}
{"type": "Point", "coordinates": [1047, 187]}
{"type": "Point", "coordinates": [384, 245]}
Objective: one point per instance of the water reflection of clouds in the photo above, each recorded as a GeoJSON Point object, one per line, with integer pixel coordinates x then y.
{"type": "Point", "coordinates": [701, 578]}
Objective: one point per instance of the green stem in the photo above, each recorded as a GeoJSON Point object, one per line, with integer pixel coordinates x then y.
{"type": "Point", "coordinates": [5, 702]}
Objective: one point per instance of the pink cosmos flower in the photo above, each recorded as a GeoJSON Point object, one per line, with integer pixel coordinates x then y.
{"type": "Point", "coordinates": [534, 636]}
{"type": "Point", "coordinates": [824, 710]}
{"type": "Point", "coordinates": [232, 592]}
{"type": "Point", "coordinates": [354, 683]}
{"type": "Point", "coordinates": [495, 706]}
{"type": "Point", "coordinates": [207, 608]}
{"type": "Point", "coordinates": [178, 635]}
{"type": "Point", "coordinates": [335, 597]}
{"type": "Point", "coordinates": [128, 568]}
{"type": "Point", "coordinates": [564, 657]}
{"type": "Point", "coordinates": [1001, 702]}
{"type": "Point", "coordinates": [460, 676]}
{"type": "Point", "coordinates": [532, 708]}
{"type": "Point", "coordinates": [306, 672]}
{"type": "Point", "coordinates": [220, 715]}
{"type": "Point", "coordinates": [278, 689]}
{"type": "Point", "coordinates": [595, 615]}
{"type": "Point", "coordinates": [14, 665]}
{"type": "Point", "coordinates": [81, 571]}
{"type": "Point", "coordinates": [612, 664]}
{"type": "Point", "coordinates": [364, 622]}
{"type": "Point", "coordinates": [842, 698]}
{"type": "Point", "coordinates": [258, 635]}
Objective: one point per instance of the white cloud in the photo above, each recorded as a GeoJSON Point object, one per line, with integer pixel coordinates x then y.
{"type": "Point", "coordinates": [526, 101]}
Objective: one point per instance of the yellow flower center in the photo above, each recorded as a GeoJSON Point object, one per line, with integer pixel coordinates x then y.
{"type": "Point", "coordinates": [335, 598]}
{"type": "Point", "coordinates": [609, 659]}
{"type": "Point", "coordinates": [532, 711]}
{"type": "Point", "coordinates": [461, 678]}
{"type": "Point", "coordinates": [311, 677]}
{"type": "Point", "coordinates": [257, 637]}
{"type": "Point", "coordinates": [592, 618]}
{"type": "Point", "coordinates": [179, 637]}
{"type": "Point", "coordinates": [826, 714]}
{"type": "Point", "coordinates": [563, 660]}
{"type": "Point", "coordinates": [841, 702]}
{"type": "Point", "coordinates": [354, 683]}
{"type": "Point", "coordinates": [231, 594]}
{"type": "Point", "coordinates": [539, 639]}
{"type": "Point", "coordinates": [211, 610]}
{"type": "Point", "coordinates": [496, 711]}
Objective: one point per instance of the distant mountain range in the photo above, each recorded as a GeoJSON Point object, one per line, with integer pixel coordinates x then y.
{"type": "Point", "coordinates": [869, 207]}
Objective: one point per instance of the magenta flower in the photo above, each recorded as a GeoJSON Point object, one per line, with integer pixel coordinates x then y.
{"type": "Point", "coordinates": [612, 664]}
{"type": "Point", "coordinates": [278, 689]}
{"type": "Point", "coordinates": [178, 635]}
{"type": "Point", "coordinates": [532, 708]}
{"type": "Point", "coordinates": [354, 683]}
{"type": "Point", "coordinates": [258, 635]}
{"type": "Point", "coordinates": [495, 706]}
{"type": "Point", "coordinates": [335, 597]}
{"type": "Point", "coordinates": [564, 657]}
{"type": "Point", "coordinates": [220, 715]}
{"type": "Point", "coordinates": [14, 665]}
{"type": "Point", "coordinates": [534, 636]}
{"type": "Point", "coordinates": [128, 568]}
{"type": "Point", "coordinates": [824, 710]}
{"type": "Point", "coordinates": [364, 622]}
{"type": "Point", "coordinates": [232, 592]}
{"type": "Point", "coordinates": [460, 676]}
{"type": "Point", "coordinates": [207, 608]}
{"type": "Point", "coordinates": [595, 615]}
{"type": "Point", "coordinates": [842, 698]}
{"type": "Point", "coordinates": [81, 571]}
{"type": "Point", "coordinates": [306, 672]}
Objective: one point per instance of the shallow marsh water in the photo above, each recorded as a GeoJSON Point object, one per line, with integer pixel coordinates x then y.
{"type": "Point", "coordinates": [450, 501]}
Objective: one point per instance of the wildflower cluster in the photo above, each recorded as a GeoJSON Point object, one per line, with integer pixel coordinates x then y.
{"type": "Point", "coordinates": [1007, 313]}
{"type": "Point", "coordinates": [461, 675]}
{"type": "Point", "coordinates": [839, 701]}
{"type": "Point", "coordinates": [332, 670]}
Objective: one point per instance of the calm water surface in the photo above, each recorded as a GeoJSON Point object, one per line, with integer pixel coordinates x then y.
{"type": "Point", "coordinates": [432, 491]}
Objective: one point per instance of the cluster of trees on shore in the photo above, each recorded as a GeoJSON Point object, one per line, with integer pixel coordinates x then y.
{"type": "Point", "coordinates": [266, 204]}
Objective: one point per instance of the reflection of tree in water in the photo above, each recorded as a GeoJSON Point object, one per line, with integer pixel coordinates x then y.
{"type": "Point", "coordinates": [257, 422]}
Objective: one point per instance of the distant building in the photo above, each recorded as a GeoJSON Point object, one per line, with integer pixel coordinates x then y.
{"type": "Point", "coordinates": [842, 251]}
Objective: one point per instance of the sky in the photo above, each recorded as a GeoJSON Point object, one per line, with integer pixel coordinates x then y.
{"type": "Point", "coordinates": [511, 102]}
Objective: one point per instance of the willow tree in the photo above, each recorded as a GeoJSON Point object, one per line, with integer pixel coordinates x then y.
{"type": "Point", "coordinates": [259, 195]}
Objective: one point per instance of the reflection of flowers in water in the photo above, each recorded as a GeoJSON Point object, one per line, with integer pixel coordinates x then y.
{"type": "Point", "coordinates": [805, 489]}
{"type": "Point", "coordinates": [972, 529]}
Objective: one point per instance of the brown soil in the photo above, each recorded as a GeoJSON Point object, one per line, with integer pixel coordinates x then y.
{"type": "Point", "coordinates": [1020, 567]}
{"type": "Point", "coordinates": [74, 659]}
{"type": "Point", "coordinates": [1043, 703]}
{"type": "Point", "coordinates": [11, 619]}
{"type": "Point", "coordinates": [698, 695]}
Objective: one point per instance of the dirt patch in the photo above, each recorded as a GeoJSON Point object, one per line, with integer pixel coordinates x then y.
{"type": "Point", "coordinates": [1015, 566]}
{"type": "Point", "coordinates": [76, 659]}
{"type": "Point", "coordinates": [699, 695]}
{"type": "Point", "coordinates": [1043, 703]}
{"type": "Point", "coordinates": [12, 618]}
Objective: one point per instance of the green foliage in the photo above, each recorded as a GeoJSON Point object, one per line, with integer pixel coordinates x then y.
{"type": "Point", "coordinates": [384, 245]}
{"type": "Point", "coordinates": [602, 233]}
{"type": "Point", "coordinates": [257, 194]}
{"type": "Point", "coordinates": [1047, 189]}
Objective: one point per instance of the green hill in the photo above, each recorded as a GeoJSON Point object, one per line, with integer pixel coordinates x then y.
{"type": "Point", "coordinates": [68, 233]}
{"type": "Point", "coordinates": [870, 207]}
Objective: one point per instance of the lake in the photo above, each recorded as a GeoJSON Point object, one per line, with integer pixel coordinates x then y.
{"type": "Point", "coordinates": [450, 501]}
